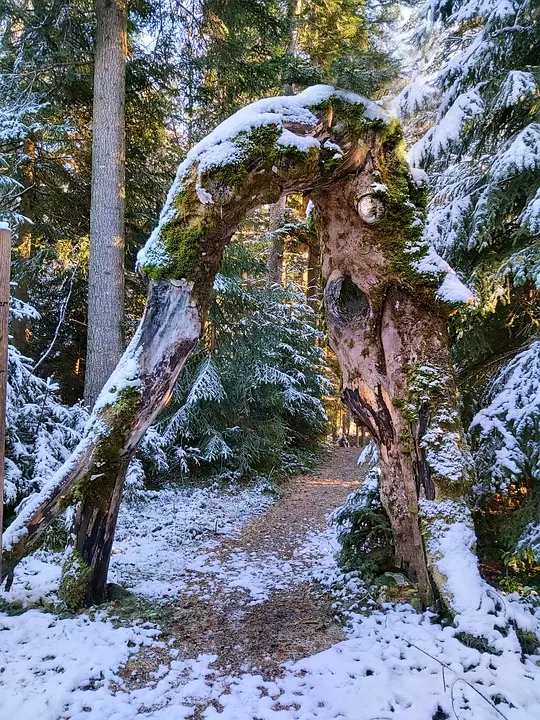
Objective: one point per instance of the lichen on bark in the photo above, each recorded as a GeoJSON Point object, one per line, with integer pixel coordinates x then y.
{"type": "Point", "coordinates": [431, 396]}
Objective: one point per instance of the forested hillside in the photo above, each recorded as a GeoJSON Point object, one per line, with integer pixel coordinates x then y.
{"type": "Point", "coordinates": [273, 384]}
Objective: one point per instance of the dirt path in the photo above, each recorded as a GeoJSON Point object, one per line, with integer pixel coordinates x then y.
{"type": "Point", "coordinates": [292, 618]}
{"type": "Point", "coordinates": [303, 508]}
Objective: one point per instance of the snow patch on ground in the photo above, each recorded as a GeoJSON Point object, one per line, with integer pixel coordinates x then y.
{"type": "Point", "coordinates": [390, 667]}
{"type": "Point", "coordinates": [52, 668]}
{"type": "Point", "coordinates": [36, 578]}
{"type": "Point", "coordinates": [164, 537]}
{"type": "Point", "coordinates": [260, 574]}
{"type": "Point", "coordinates": [395, 663]}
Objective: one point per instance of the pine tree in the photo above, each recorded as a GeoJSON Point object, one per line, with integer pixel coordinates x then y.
{"type": "Point", "coordinates": [478, 87]}
{"type": "Point", "coordinates": [250, 400]}
{"type": "Point", "coordinates": [47, 65]}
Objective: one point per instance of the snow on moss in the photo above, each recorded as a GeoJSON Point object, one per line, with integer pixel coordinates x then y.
{"type": "Point", "coordinates": [444, 448]}
{"type": "Point", "coordinates": [451, 289]}
{"type": "Point", "coordinates": [450, 543]}
{"type": "Point", "coordinates": [430, 387]}
{"type": "Point", "coordinates": [226, 146]}
{"type": "Point", "coordinates": [452, 539]}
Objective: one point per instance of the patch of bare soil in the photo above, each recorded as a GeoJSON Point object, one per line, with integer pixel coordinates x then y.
{"type": "Point", "coordinates": [290, 624]}
{"type": "Point", "coordinates": [305, 502]}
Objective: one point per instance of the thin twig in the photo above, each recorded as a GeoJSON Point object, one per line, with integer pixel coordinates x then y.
{"type": "Point", "coordinates": [456, 680]}
{"type": "Point", "coordinates": [61, 317]}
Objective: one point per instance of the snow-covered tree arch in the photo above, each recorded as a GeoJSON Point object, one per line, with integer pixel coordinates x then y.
{"type": "Point", "coordinates": [387, 296]}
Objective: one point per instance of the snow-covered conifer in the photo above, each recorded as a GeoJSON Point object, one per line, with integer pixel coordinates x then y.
{"type": "Point", "coordinates": [473, 111]}
{"type": "Point", "coordinates": [250, 399]}
{"type": "Point", "coordinates": [41, 431]}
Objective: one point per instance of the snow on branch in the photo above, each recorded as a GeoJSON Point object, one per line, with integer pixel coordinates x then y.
{"type": "Point", "coordinates": [294, 120]}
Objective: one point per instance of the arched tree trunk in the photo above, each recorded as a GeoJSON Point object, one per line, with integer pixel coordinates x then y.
{"type": "Point", "coordinates": [385, 318]}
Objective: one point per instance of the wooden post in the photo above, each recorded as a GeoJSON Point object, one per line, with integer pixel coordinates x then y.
{"type": "Point", "coordinates": [5, 270]}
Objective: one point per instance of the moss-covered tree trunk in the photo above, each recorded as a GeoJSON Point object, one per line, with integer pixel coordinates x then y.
{"type": "Point", "coordinates": [387, 326]}
{"type": "Point", "coordinates": [93, 477]}
{"type": "Point", "coordinates": [84, 578]}
{"type": "Point", "coordinates": [386, 320]}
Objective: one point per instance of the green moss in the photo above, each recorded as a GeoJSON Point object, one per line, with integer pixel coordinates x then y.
{"type": "Point", "coordinates": [529, 641]}
{"type": "Point", "coordinates": [96, 486]}
{"type": "Point", "coordinates": [406, 441]}
{"type": "Point", "coordinates": [401, 227]}
{"type": "Point", "coordinates": [119, 418]}
{"type": "Point", "coordinates": [477, 642]}
{"type": "Point", "coordinates": [331, 164]}
{"type": "Point", "coordinates": [183, 245]}
{"type": "Point", "coordinates": [75, 576]}
{"type": "Point", "coordinates": [349, 121]}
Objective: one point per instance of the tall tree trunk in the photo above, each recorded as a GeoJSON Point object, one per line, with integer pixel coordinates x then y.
{"type": "Point", "coordinates": [294, 7]}
{"type": "Point", "coordinates": [277, 249]}
{"type": "Point", "coordinates": [313, 289]}
{"type": "Point", "coordinates": [98, 510]}
{"type": "Point", "coordinates": [106, 271]}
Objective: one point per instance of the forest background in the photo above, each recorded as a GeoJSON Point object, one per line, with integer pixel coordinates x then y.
{"type": "Point", "coordinates": [262, 384]}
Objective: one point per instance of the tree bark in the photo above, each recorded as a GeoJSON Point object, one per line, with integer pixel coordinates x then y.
{"type": "Point", "coordinates": [388, 331]}
{"type": "Point", "coordinates": [105, 341]}
{"type": "Point", "coordinates": [277, 249]}
{"type": "Point", "coordinates": [94, 475]}
{"type": "Point", "coordinates": [313, 289]}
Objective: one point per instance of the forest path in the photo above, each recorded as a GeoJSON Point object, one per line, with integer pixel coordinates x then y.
{"type": "Point", "coordinates": [225, 612]}
{"type": "Point", "coordinates": [256, 604]}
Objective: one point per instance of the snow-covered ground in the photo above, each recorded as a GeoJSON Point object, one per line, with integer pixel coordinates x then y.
{"type": "Point", "coordinates": [163, 538]}
{"type": "Point", "coordinates": [395, 664]}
